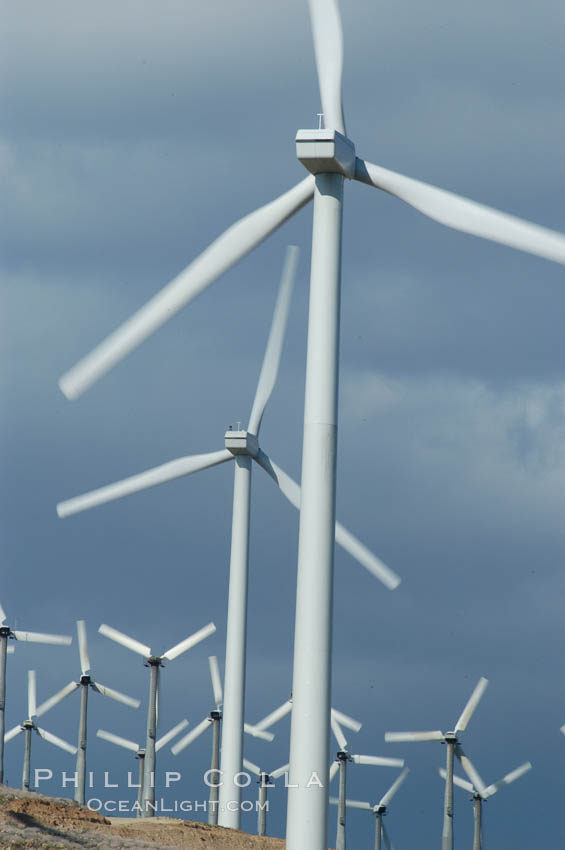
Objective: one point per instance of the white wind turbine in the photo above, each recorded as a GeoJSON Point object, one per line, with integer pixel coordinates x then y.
{"type": "Point", "coordinates": [330, 157]}
{"type": "Point", "coordinates": [243, 447]}
{"type": "Point", "coordinates": [140, 753]}
{"type": "Point", "coordinates": [7, 633]}
{"type": "Point", "coordinates": [85, 682]}
{"type": "Point", "coordinates": [265, 781]}
{"type": "Point", "coordinates": [154, 662]}
{"type": "Point", "coordinates": [480, 792]}
{"type": "Point", "coordinates": [29, 725]}
{"type": "Point", "coordinates": [343, 757]}
{"type": "Point", "coordinates": [451, 740]}
{"type": "Point", "coordinates": [378, 809]}
{"type": "Point", "coordinates": [213, 721]}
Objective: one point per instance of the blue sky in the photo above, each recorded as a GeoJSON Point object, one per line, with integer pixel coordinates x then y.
{"type": "Point", "coordinates": [133, 135]}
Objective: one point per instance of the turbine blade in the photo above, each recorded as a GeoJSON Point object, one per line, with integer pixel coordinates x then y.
{"type": "Point", "coordinates": [252, 768]}
{"type": "Point", "coordinates": [116, 739]}
{"type": "Point", "coordinates": [142, 481]}
{"type": "Point", "coordinates": [358, 804]}
{"type": "Point", "coordinates": [378, 760]}
{"type": "Point", "coordinates": [473, 702]}
{"type": "Point", "coordinates": [223, 253]}
{"type": "Point", "coordinates": [328, 47]}
{"type": "Point", "coordinates": [31, 694]}
{"type": "Point", "coordinates": [216, 680]}
{"type": "Point", "coordinates": [391, 737]}
{"type": "Point", "coordinates": [338, 733]}
{"type": "Point", "coordinates": [13, 732]}
{"type": "Point", "coordinates": [385, 800]}
{"type": "Point", "coordinates": [53, 739]}
{"type": "Point", "coordinates": [2, 616]}
{"type": "Point", "coordinates": [334, 767]}
{"type": "Point", "coordinates": [10, 650]}
{"type": "Point", "coordinates": [83, 648]}
{"type": "Point", "coordinates": [172, 733]}
{"type": "Point", "coordinates": [470, 770]}
{"type": "Point", "coordinates": [274, 774]}
{"type": "Point", "coordinates": [461, 214]}
{"type": "Point", "coordinates": [345, 720]}
{"type": "Point", "coordinates": [258, 733]}
{"type": "Point", "coordinates": [195, 733]}
{"type": "Point", "coordinates": [39, 637]}
{"type": "Point", "coordinates": [274, 716]}
{"type": "Point", "coordinates": [272, 359]}
{"type": "Point", "coordinates": [386, 837]}
{"type": "Point", "coordinates": [125, 640]}
{"type": "Point", "coordinates": [462, 783]}
{"type": "Point", "coordinates": [506, 780]}
{"type": "Point", "coordinates": [346, 540]}
{"type": "Point", "coordinates": [189, 642]}
{"type": "Point", "coordinates": [56, 698]}
{"type": "Point", "coordinates": [117, 695]}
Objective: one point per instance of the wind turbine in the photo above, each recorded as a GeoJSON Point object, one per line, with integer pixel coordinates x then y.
{"type": "Point", "coordinates": [213, 721]}
{"type": "Point", "coordinates": [154, 662]}
{"type": "Point", "coordinates": [243, 447]}
{"type": "Point", "coordinates": [85, 682]}
{"type": "Point", "coordinates": [264, 782]}
{"type": "Point", "coordinates": [330, 157]}
{"type": "Point", "coordinates": [343, 757]}
{"type": "Point", "coordinates": [33, 712]}
{"type": "Point", "coordinates": [480, 792]}
{"type": "Point", "coordinates": [140, 753]}
{"type": "Point", "coordinates": [451, 741]}
{"type": "Point", "coordinates": [378, 809]}
{"type": "Point", "coordinates": [7, 633]}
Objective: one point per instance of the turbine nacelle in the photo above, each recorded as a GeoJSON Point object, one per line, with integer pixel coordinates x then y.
{"type": "Point", "coordinates": [242, 443]}
{"type": "Point", "coordinates": [326, 151]}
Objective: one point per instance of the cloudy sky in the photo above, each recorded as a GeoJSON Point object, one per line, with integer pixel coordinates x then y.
{"type": "Point", "coordinates": [133, 134]}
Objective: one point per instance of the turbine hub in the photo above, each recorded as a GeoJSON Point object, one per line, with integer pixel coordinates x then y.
{"type": "Point", "coordinates": [85, 679]}
{"type": "Point", "coordinates": [326, 151]}
{"type": "Point", "coordinates": [5, 631]}
{"type": "Point", "coordinates": [242, 443]}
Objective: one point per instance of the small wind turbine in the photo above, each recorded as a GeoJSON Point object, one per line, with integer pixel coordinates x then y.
{"type": "Point", "coordinates": [264, 782]}
{"type": "Point", "coordinates": [243, 447]}
{"type": "Point", "coordinates": [343, 757]}
{"type": "Point", "coordinates": [214, 720]}
{"type": "Point", "coordinates": [453, 747]}
{"type": "Point", "coordinates": [154, 662]}
{"type": "Point", "coordinates": [480, 792]}
{"type": "Point", "coordinates": [140, 753]}
{"type": "Point", "coordinates": [34, 711]}
{"type": "Point", "coordinates": [85, 681]}
{"type": "Point", "coordinates": [7, 633]}
{"type": "Point", "coordinates": [378, 809]}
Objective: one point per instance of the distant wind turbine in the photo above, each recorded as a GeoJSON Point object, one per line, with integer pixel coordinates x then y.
{"type": "Point", "coordinates": [264, 782]}
{"type": "Point", "coordinates": [29, 725]}
{"type": "Point", "coordinates": [451, 740]}
{"type": "Point", "coordinates": [7, 633]}
{"type": "Point", "coordinates": [140, 753]}
{"type": "Point", "coordinates": [154, 662]}
{"type": "Point", "coordinates": [213, 721]}
{"type": "Point", "coordinates": [378, 809]}
{"type": "Point", "coordinates": [243, 448]}
{"type": "Point", "coordinates": [479, 792]}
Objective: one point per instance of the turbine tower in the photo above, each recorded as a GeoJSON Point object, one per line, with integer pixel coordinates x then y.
{"type": "Point", "coordinates": [154, 662]}
{"type": "Point", "coordinates": [451, 740]}
{"type": "Point", "coordinates": [213, 721]}
{"type": "Point", "coordinates": [264, 782]}
{"type": "Point", "coordinates": [7, 633]}
{"type": "Point", "coordinates": [29, 725]}
{"type": "Point", "coordinates": [140, 753]}
{"type": "Point", "coordinates": [241, 447]}
{"type": "Point", "coordinates": [85, 682]}
{"type": "Point", "coordinates": [378, 809]}
{"type": "Point", "coordinates": [330, 156]}
{"type": "Point", "coordinates": [479, 792]}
